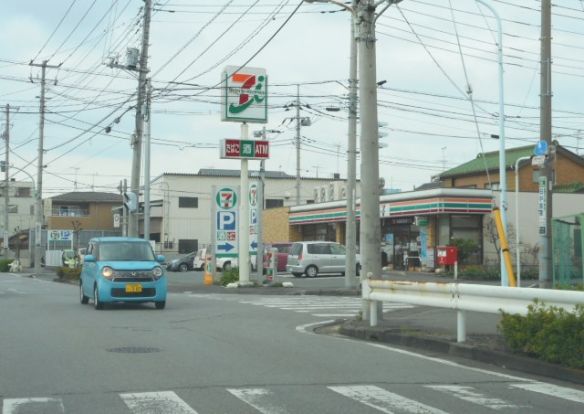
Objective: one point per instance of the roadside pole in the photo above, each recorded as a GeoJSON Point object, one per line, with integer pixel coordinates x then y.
{"type": "Point", "coordinates": [243, 261]}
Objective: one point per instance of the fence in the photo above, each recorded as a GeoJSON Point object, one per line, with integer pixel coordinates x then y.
{"type": "Point", "coordinates": [464, 297]}
{"type": "Point", "coordinates": [568, 245]}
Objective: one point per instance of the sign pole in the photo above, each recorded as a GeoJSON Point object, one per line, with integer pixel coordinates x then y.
{"type": "Point", "coordinates": [244, 216]}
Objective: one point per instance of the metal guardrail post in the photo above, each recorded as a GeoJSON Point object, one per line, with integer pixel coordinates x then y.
{"type": "Point", "coordinates": [372, 313]}
{"type": "Point", "coordinates": [460, 326]}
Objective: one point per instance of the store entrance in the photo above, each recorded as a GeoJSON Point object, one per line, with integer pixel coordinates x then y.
{"type": "Point", "coordinates": [401, 243]}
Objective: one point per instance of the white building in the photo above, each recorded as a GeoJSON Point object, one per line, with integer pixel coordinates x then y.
{"type": "Point", "coordinates": [20, 206]}
{"type": "Point", "coordinates": [181, 203]}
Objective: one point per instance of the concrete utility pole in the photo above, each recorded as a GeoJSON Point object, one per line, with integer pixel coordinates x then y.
{"type": "Point", "coordinates": [260, 210]}
{"type": "Point", "coordinates": [351, 222]}
{"type": "Point", "coordinates": [545, 248]}
{"type": "Point", "coordinates": [133, 229]}
{"type": "Point", "coordinates": [6, 180]}
{"type": "Point", "coordinates": [38, 213]}
{"type": "Point", "coordinates": [298, 145]}
{"type": "Point", "coordinates": [147, 161]}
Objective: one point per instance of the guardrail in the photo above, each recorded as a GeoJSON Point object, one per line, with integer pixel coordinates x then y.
{"type": "Point", "coordinates": [464, 297]}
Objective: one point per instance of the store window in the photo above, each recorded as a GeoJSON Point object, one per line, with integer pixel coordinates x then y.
{"type": "Point", "coordinates": [274, 203]}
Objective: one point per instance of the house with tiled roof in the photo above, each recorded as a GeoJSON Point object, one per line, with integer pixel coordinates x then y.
{"type": "Point", "coordinates": [483, 171]}
{"type": "Point", "coordinates": [89, 210]}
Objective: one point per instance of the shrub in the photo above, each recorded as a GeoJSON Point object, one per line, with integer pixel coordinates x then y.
{"type": "Point", "coordinates": [5, 265]}
{"type": "Point", "coordinates": [465, 248]}
{"type": "Point", "coordinates": [229, 276]}
{"type": "Point", "coordinates": [67, 273]}
{"type": "Point", "coordinates": [547, 333]}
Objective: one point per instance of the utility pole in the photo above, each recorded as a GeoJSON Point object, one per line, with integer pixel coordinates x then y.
{"type": "Point", "coordinates": [370, 232]}
{"type": "Point", "coordinates": [6, 180]}
{"type": "Point", "coordinates": [298, 145]}
{"type": "Point", "coordinates": [260, 210]}
{"type": "Point", "coordinates": [133, 229]}
{"type": "Point", "coordinates": [38, 213]}
{"type": "Point", "coordinates": [147, 161]}
{"type": "Point", "coordinates": [351, 222]}
{"type": "Point", "coordinates": [547, 175]}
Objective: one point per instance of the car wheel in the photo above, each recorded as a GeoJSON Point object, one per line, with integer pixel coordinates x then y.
{"type": "Point", "coordinates": [97, 304]}
{"type": "Point", "coordinates": [311, 271]}
{"type": "Point", "coordinates": [227, 267]}
{"type": "Point", "coordinates": [84, 299]}
{"type": "Point", "coordinates": [295, 274]}
{"type": "Point", "coordinates": [160, 305]}
{"type": "Point", "coordinates": [183, 267]}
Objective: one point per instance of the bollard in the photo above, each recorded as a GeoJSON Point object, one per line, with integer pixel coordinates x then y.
{"type": "Point", "coordinates": [208, 276]}
{"type": "Point", "coordinates": [372, 313]}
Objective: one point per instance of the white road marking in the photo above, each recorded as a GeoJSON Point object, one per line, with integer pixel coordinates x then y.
{"type": "Point", "coordinates": [384, 400]}
{"type": "Point", "coordinates": [156, 403]}
{"type": "Point", "coordinates": [471, 395]}
{"type": "Point", "coordinates": [258, 398]}
{"type": "Point", "coordinates": [334, 315]}
{"type": "Point", "coordinates": [13, 405]}
{"type": "Point", "coordinates": [552, 390]}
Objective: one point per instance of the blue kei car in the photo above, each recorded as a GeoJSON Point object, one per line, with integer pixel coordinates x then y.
{"type": "Point", "coordinates": [122, 269]}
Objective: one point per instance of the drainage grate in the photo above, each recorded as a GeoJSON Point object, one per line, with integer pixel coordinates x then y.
{"type": "Point", "coordinates": [134, 350]}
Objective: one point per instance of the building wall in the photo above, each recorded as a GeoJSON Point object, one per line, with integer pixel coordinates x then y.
{"type": "Point", "coordinates": [22, 219]}
{"type": "Point", "coordinates": [563, 205]}
{"type": "Point", "coordinates": [195, 223]}
{"type": "Point", "coordinates": [275, 226]}
{"type": "Point", "coordinates": [100, 218]}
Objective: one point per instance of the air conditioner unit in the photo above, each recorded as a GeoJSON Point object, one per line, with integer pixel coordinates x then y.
{"type": "Point", "coordinates": [340, 190]}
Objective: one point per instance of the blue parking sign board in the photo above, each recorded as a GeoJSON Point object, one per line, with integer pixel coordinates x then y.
{"type": "Point", "coordinates": [226, 220]}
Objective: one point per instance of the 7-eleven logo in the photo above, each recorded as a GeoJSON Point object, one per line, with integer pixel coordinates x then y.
{"type": "Point", "coordinates": [226, 198]}
{"type": "Point", "coordinates": [251, 90]}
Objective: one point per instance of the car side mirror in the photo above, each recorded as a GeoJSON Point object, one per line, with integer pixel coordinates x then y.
{"type": "Point", "coordinates": [89, 258]}
{"type": "Point", "coordinates": [160, 258]}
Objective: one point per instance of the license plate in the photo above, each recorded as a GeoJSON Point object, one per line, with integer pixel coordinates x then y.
{"type": "Point", "coordinates": [133, 288]}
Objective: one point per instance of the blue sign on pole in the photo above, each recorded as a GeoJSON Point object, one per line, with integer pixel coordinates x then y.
{"type": "Point", "coordinates": [541, 148]}
{"type": "Point", "coordinates": [226, 220]}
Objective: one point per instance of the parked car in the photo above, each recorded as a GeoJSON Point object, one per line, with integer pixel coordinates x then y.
{"type": "Point", "coordinates": [182, 264]}
{"type": "Point", "coordinates": [223, 263]}
{"type": "Point", "coordinates": [281, 257]}
{"type": "Point", "coordinates": [122, 269]}
{"type": "Point", "coordinates": [311, 258]}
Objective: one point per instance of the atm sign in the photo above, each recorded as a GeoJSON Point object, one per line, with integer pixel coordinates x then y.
{"type": "Point", "coordinates": [245, 149]}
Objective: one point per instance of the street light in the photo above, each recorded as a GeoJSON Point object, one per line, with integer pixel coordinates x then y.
{"type": "Point", "coordinates": [517, 253]}
{"type": "Point", "coordinates": [502, 155]}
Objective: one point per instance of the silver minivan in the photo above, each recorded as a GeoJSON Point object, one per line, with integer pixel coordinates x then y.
{"type": "Point", "coordinates": [313, 257]}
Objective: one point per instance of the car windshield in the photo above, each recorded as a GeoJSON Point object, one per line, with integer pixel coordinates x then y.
{"type": "Point", "coordinates": [125, 251]}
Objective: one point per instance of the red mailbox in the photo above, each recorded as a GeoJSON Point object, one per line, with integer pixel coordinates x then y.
{"type": "Point", "coordinates": [447, 255]}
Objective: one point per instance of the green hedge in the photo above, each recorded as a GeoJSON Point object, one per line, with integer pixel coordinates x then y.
{"type": "Point", "coordinates": [230, 276]}
{"type": "Point", "coordinates": [68, 274]}
{"type": "Point", "coordinates": [5, 265]}
{"type": "Point", "coordinates": [548, 333]}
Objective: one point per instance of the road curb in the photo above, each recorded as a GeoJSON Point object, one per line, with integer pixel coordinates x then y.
{"type": "Point", "coordinates": [501, 359]}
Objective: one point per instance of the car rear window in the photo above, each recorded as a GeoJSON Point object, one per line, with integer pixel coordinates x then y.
{"type": "Point", "coordinates": [296, 249]}
{"type": "Point", "coordinates": [319, 248]}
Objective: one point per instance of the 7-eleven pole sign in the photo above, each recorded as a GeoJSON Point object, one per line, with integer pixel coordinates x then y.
{"type": "Point", "coordinates": [245, 95]}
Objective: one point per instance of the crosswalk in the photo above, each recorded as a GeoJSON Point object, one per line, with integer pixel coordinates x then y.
{"type": "Point", "coordinates": [315, 305]}
{"type": "Point", "coordinates": [513, 397]}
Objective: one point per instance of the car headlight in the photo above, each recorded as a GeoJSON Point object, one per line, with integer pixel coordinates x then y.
{"type": "Point", "coordinates": [107, 272]}
{"type": "Point", "coordinates": [157, 272]}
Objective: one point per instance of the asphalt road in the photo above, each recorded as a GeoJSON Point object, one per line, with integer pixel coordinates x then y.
{"type": "Point", "coordinates": [183, 281]}
{"type": "Point", "coordinates": [221, 353]}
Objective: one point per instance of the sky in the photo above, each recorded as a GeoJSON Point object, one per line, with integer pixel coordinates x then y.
{"type": "Point", "coordinates": [428, 53]}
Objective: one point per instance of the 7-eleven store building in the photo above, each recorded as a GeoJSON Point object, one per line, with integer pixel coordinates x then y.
{"type": "Point", "coordinates": [412, 224]}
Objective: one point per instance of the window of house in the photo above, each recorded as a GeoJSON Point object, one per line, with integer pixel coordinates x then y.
{"type": "Point", "coordinates": [274, 203]}
{"type": "Point", "coordinates": [493, 186]}
{"type": "Point", "coordinates": [13, 209]}
{"type": "Point", "coordinates": [188, 202]}
{"type": "Point", "coordinates": [188, 245]}
{"type": "Point", "coordinates": [22, 192]}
